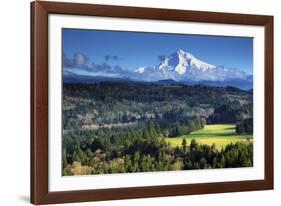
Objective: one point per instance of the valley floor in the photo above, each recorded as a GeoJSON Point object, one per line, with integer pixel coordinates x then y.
{"type": "Point", "coordinates": [218, 134]}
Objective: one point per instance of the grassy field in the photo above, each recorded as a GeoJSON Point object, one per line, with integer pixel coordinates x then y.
{"type": "Point", "coordinates": [220, 134]}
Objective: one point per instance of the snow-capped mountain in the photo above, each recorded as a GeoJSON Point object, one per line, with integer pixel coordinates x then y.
{"type": "Point", "coordinates": [185, 67]}
{"type": "Point", "coordinates": [181, 61]}
{"type": "Point", "coordinates": [181, 67]}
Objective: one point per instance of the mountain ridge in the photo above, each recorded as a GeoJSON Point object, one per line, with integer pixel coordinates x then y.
{"type": "Point", "coordinates": [182, 67]}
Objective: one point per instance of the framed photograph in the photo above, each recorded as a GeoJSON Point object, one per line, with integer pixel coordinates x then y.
{"type": "Point", "coordinates": [133, 102]}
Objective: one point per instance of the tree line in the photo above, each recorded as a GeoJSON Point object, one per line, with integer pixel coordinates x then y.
{"type": "Point", "coordinates": [121, 127]}
{"type": "Point", "coordinates": [148, 155]}
{"type": "Point", "coordinates": [142, 151]}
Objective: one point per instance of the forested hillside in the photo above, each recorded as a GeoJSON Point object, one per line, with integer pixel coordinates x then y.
{"type": "Point", "coordinates": [122, 127]}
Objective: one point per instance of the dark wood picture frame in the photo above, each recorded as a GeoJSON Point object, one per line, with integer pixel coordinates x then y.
{"type": "Point", "coordinates": [39, 102]}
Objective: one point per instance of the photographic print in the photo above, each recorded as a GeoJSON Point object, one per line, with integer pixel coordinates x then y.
{"type": "Point", "coordinates": [148, 102]}
{"type": "Point", "coordinates": [130, 102]}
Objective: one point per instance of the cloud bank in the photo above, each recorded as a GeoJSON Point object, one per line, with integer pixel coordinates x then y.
{"type": "Point", "coordinates": [82, 62]}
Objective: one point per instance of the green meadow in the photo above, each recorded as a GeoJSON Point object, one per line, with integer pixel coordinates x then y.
{"type": "Point", "coordinates": [218, 134]}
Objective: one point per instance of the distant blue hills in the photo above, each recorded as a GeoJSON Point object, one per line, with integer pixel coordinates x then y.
{"type": "Point", "coordinates": [178, 68]}
{"type": "Point", "coordinates": [76, 78]}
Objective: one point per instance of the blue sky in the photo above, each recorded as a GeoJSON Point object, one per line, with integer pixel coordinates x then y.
{"type": "Point", "coordinates": [130, 50]}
